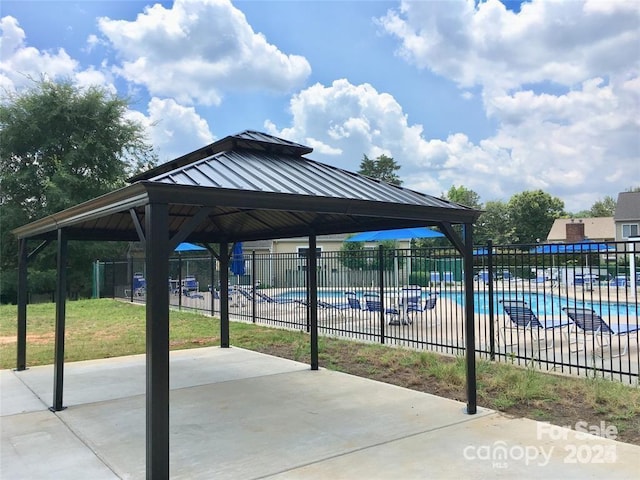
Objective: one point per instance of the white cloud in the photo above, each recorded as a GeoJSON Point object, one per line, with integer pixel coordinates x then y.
{"type": "Point", "coordinates": [561, 79]}
{"type": "Point", "coordinates": [21, 65]}
{"type": "Point", "coordinates": [198, 49]}
{"type": "Point", "coordinates": [351, 121]}
{"type": "Point", "coordinates": [173, 129]}
{"type": "Point", "coordinates": [547, 41]}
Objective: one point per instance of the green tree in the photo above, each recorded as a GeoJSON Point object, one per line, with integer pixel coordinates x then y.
{"type": "Point", "coordinates": [61, 145]}
{"type": "Point", "coordinates": [603, 208]}
{"type": "Point", "coordinates": [494, 224]}
{"type": "Point", "coordinates": [532, 213]}
{"type": "Point", "coordinates": [355, 256]}
{"type": "Point", "coordinates": [463, 196]}
{"type": "Point", "coordinates": [383, 168]}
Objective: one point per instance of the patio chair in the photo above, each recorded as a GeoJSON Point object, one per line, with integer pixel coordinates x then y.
{"type": "Point", "coordinates": [353, 300]}
{"type": "Point", "coordinates": [191, 287]}
{"type": "Point", "coordinates": [618, 281]}
{"type": "Point", "coordinates": [139, 285]}
{"type": "Point", "coordinates": [483, 277]}
{"type": "Point", "coordinates": [522, 318]}
{"type": "Point", "coordinates": [372, 303]}
{"type": "Point", "coordinates": [589, 322]}
{"type": "Point", "coordinates": [418, 307]}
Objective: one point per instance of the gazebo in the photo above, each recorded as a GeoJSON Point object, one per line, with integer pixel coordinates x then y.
{"type": "Point", "coordinates": [248, 186]}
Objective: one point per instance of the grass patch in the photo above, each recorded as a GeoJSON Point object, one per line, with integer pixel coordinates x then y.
{"type": "Point", "coordinates": [107, 328]}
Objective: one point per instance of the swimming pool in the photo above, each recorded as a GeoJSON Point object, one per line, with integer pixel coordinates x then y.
{"type": "Point", "coordinates": [548, 305]}
{"type": "Point", "coordinates": [541, 304]}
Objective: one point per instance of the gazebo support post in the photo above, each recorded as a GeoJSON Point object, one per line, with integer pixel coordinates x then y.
{"type": "Point", "coordinates": [61, 300]}
{"type": "Point", "coordinates": [224, 294]}
{"type": "Point", "coordinates": [21, 353]}
{"type": "Point", "coordinates": [312, 274]}
{"type": "Point", "coordinates": [470, 337]}
{"type": "Point", "coordinates": [157, 339]}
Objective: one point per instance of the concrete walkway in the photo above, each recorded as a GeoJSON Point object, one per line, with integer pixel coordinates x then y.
{"type": "Point", "coordinates": [242, 415]}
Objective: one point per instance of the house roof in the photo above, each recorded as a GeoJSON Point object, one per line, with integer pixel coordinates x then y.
{"type": "Point", "coordinates": [595, 228]}
{"type": "Point", "coordinates": [250, 186]}
{"type": "Point", "coordinates": [627, 207]}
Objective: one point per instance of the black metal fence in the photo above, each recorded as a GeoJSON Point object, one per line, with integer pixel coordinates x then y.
{"type": "Point", "coordinates": [568, 309]}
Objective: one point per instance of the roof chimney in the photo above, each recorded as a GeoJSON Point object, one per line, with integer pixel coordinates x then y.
{"type": "Point", "coordinates": [575, 232]}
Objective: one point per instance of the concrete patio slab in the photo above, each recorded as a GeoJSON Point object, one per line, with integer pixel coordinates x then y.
{"type": "Point", "coordinates": [240, 414]}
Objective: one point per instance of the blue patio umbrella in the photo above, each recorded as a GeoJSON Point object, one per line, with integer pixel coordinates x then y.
{"type": "Point", "coordinates": [188, 247]}
{"type": "Point", "coordinates": [550, 248]}
{"type": "Point", "coordinates": [584, 247]}
{"type": "Point", "coordinates": [395, 234]}
{"type": "Point", "coordinates": [237, 260]}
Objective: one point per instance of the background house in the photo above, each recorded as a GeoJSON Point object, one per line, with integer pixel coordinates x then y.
{"type": "Point", "coordinates": [627, 216]}
{"type": "Point", "coordinates": [568, 230]}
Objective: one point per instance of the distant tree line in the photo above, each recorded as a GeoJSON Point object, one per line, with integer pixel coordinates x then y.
{"type": "Point", "coordinates": [525, 218]}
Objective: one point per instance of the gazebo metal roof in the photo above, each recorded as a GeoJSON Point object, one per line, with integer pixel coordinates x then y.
{"type": "Point", "coordinates": [249, 186]}
{"type": "Point", "coordinates": [256, 187]}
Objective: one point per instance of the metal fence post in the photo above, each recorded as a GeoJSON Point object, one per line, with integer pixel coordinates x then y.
{"type": "Point", "coordinates": [381, 289]}
{"type": "Point", "coordinates": [490, 272]}
{"type": "Point", "coordinates": [253, 285]}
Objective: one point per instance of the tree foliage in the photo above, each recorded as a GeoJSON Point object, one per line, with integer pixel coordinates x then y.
{"type": "Point", "coordinates": [383, 168]}
{"type": "Point", "coordinates": [355, 256]}
{"type": "Point", "coordinates": [61, 145]}
{"type": "Point", "coordinates": [603, 208]}
{"type": "Point", "coordinates": [532, 213]}
{"type": "Point", "coordinates": [463, 196]}
{"type": "Point", "coordinates": [494, 224]}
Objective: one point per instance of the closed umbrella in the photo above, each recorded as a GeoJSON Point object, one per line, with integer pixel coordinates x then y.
{"type": "Point", "coordinates": [237, 260]}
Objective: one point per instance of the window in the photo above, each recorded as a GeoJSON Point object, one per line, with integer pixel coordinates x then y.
{"type": "Point", "coordinates": [630, 230]}
{"type": "Point", "coordinates": [302, 257]}
{"type": "Point", "coordinates": [302, 252]}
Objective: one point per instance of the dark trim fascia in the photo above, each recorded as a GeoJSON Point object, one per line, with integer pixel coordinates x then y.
{"type": "Point", "coordinates": [121, 200]}
{"type": "Point", "coordinates": [220, 197]}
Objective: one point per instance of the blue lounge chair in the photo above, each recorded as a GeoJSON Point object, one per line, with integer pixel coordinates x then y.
{"type": "Point", "coordinates": [352, 304]}
{"type": "Point", "coordinates": [522, 318]}
{"type": "Point", "coordinates": [262, 297]}
{"type": "Point", "coordinates": [246, 295]}
{"type": "Point", "coordinates": [589, 322]}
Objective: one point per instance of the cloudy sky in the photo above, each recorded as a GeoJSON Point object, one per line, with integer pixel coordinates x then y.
{"type": "Point", "coordinates": [500, 97]}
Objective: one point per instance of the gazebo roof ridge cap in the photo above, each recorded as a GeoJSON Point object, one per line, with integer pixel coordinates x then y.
{"type": "Point", "coordinates": [247, 139]}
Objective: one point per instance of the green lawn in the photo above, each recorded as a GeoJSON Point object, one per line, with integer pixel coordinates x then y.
{"type": "Point", "coordinates": [108, 328]}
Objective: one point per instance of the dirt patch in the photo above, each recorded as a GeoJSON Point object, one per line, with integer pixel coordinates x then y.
{"type": "Point", "coordinates": [41, 339]}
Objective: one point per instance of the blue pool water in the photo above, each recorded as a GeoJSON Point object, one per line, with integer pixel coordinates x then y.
{"type": "Point", "coordinates": [543, 305]}
{"type": "Point", "coordinates": [548, 305]}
